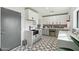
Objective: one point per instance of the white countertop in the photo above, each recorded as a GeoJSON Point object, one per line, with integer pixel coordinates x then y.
{"type": "Point", "coordinates": [56, 28]}
{"type": "Point", "coordinates": [64, 35]}
{"type": "Point", "coordinates": [76, 37]}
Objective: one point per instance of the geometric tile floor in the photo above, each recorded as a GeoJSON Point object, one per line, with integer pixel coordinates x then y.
{"type": "Point", "coordinates": [46, 43]}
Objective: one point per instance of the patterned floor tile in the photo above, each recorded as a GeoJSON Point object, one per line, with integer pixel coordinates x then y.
{"type": "Point", "coordinates": [47, 43]}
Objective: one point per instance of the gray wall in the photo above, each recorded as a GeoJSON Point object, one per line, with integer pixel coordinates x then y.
{"type": "Point", "coordinates": [0, 27]}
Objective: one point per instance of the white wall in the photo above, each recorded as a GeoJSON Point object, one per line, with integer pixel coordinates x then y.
{"type": "Point", "coordinates": [40, 21]}
{"type": "Point", "coordinates": [72, 22]}
{"type": "Point", "coordinates": [61, 19]}
{"type": "Point", "coordinates": [75, 18]}
{"type": "Point", "coordinates": [21, 10]}
{"type": "Point", "coordinates": [29, 14]}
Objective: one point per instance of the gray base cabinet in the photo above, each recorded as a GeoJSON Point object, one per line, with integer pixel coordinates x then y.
{"type": "Point", "coordinates": [45, 31]}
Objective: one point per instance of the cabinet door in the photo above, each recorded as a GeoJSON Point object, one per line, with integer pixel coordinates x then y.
{"type": "Point", "coordinates": [10, 28]}
{"type": "Point", "coordinates": [31, 15]}
{"type": "Point", "coordinates": [47, 31]}
{"type": "Point", "coordinates": [43, 31]}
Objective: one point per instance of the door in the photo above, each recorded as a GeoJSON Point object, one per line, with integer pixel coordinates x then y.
{"type": "Point", "coordinates": [10, 28]}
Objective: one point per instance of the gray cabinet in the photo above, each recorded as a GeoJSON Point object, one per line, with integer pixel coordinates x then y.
{"type": "Point", "coordinates": [45, 31]}
{"type": "Point", "coordinates": [10, 29]}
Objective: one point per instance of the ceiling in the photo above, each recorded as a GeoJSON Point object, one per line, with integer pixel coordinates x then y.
{"type": "Point", "coordinates": [51, 10]}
